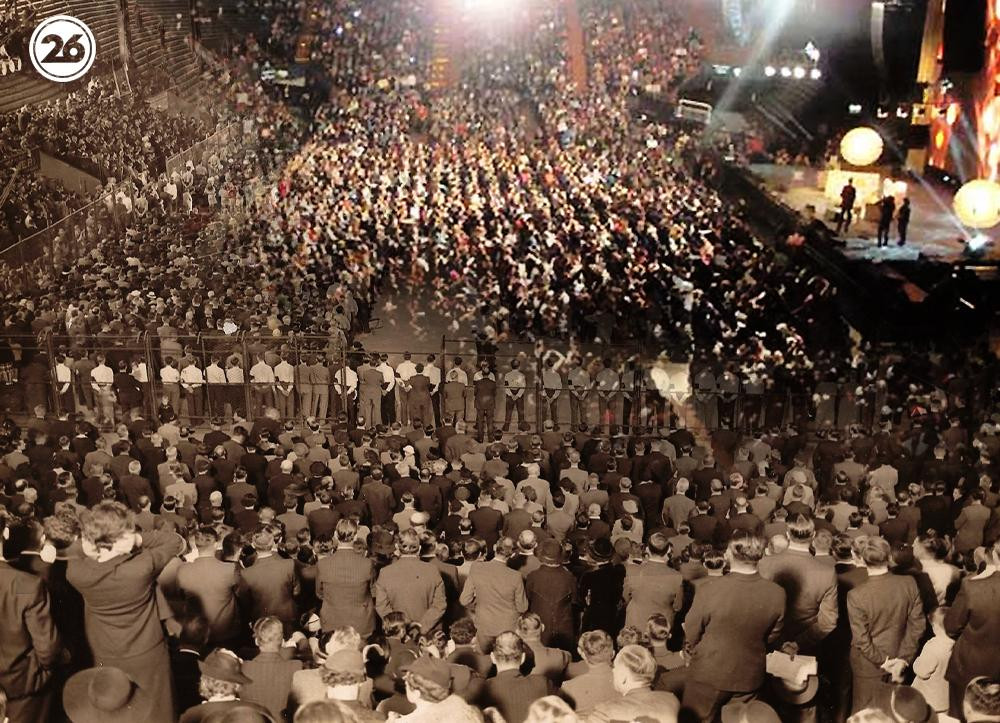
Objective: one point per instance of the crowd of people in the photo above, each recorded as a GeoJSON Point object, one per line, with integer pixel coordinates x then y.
{"type": "Point", "coordinates": [221, 507]}
{"type": "Point", "coordinates": [414, 571]}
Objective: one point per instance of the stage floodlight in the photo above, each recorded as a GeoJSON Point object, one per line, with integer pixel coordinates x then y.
{"type": "Point", "coordinates": [770, 71]}
{"type": "Point", "coordinates": [786, 72]}
{"type": "Point", "coordinates": [815, 74]}
{"type": "Point", "coordinates": [799, 72]}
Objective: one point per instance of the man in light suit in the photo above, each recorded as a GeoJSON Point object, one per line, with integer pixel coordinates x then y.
{"type": "Point", "coordinates": [975, 621]}
{"type": "Point", "coordinates": [633, 674]}
{"type": "Point", "coordinates": [653, 587]}
{"type": "Point", "coordinates": [729, 639]}
{"type": "Point", "coordinates": [29, 642]}
{"type": "Point", "coordinates": [411, 586]}
{"type": "Point", "coordinates": [887, 620]}
{"type": "Point", "coordinates": [344, 584]}
{"type": "Point", "coordinates": [497, 592]}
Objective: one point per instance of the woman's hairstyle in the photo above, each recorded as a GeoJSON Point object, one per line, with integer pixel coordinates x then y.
{"type": "Point", "coordinates": [106, 523]}
{"type": "Point", "coordinates": [325, 711]}
{"type": "Point", "coordinates": [551, 709]}
{"type": "Point", "coordinates": [428, 689]}
{"type": "Point", "coordinates": [395, 625]}
{"type": "Point", "coordinates": [209, 687]}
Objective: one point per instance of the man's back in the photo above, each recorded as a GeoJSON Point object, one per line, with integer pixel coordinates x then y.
{"type": "Point", "coordinates": [652, 587]}
{"type": "Point", "coordinates": [271, 677]}
{"type": "Point", "coordinates": [344, 585]}
{"type": "Point", "coordinates": [212, 583]}
{"type": "Point", "coordinates": [810, 592]}
{"type": "Point", "coordinates": [271, 584]}
{"type": "Point", "coordinates": [655, 706]}
{"type": "Point", "coordinates": [886, 619]}
{"type": "Point", "coordinates": [498, 593]}
{"type": "Point", "coordinates": [729, 637]}
{"type": "Point", "coordinates": [29, 643]}
{"type": "Point", "coordinates": [414, 588]}
{"type": "Point", "coordinates": [512, 693]}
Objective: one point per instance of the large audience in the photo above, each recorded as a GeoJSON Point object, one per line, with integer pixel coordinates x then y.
{"type": "Point", "coordinates": [216, 505]}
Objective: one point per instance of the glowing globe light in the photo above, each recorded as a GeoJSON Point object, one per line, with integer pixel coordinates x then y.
{"type": "Point", "coordinates": [977, 204]}
{"type": "Point", "coordinates": [861, 146]}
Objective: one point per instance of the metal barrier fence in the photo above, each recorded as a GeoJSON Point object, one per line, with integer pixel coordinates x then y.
{"type": "Point", "coordinates": [219, 139]}
{"type": "Point", "coordinates": [62, 242]}
{"type": "Point", "coordinates": [198, 377]}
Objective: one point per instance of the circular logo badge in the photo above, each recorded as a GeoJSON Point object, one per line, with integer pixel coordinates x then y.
{"type": "Point", "coordinates": [62, 48]}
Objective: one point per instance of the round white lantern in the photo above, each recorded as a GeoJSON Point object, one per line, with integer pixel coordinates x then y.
{"type": "Point", "coordinates": [861, 146]}
{"type": "Point", "coordinates": [977, 204]}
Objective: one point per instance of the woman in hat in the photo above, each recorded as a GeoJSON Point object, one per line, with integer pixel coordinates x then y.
{"type": "Point", "coordinates": [117, 578]}
{"type": "Point", "coordinates": [105, 695]}
{"type": "Point", "coordinates": [221, 678]}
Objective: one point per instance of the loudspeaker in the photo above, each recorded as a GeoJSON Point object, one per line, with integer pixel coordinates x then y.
{"type": "Point", "coordinates": [964, 36]}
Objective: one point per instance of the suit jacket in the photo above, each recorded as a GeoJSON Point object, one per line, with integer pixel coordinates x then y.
{"type": "Point", "coordinates": [551, 593]}
{"type": "Point", "coordinates": [29, 642]}
{"type": "Point", "coordinates": [887, 620]}
{"type": "Point", "coordinates": [512, 693]}
{"type": "Point", "coordinates": [269, 587]}
{"type": "Point", "coordinates": [272, 682]}
{"type": "Point", "coordinates": [486, 523]}
{"type": "Point", "coordinates": [210, 587]}
{"type": "Point", "coordinates": [548, 662]}
{"type": "Point", "coordinates": [588, 690]}
{"type": "Point", "coordinates": [381, 501]}
{"type": "Point", "coordinates": [344, 584]}
{"type": "Point", "coordinates": [323, 521]}
{"type": "Point", "coordinates": [120, 610]}
{"type": "Point", "coordinates": [974, 620]}
{"type": "Point", "coordinates": [639, 704]}
{"type": "Point", "coordinates": [498, 595]}
{"type": "Point", "coordinates": [133, 487]}
{"type": "Point", "coordinates": [650, 588]}
{"type": "Point", "coordinates": [729, 638]}
{"type": "Point", "coordinates": [601, 593]}
{"type": "Point", "coordinates": [810, 596]}
{"type": "Point", "coordinates": [969, 527]}
{"type": "Point", "coordinates": [414, 588]}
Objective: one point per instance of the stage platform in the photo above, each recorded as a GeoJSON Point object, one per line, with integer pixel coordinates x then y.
{"type": "Point", "coordinates": [934, 233]}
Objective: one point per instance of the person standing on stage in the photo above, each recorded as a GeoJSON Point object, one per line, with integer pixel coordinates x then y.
{"type": "Point", "coordinates": [847, 196]}
{"type": "Point", "coordinates": [903, 220]}
{"type": "Point", "coordinates": [887, 208]}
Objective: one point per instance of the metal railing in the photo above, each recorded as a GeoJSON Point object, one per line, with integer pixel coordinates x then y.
{"type": "Point", "coordinates": [217, 140]}
{"type": "Point", "coordinates": [242, 375]}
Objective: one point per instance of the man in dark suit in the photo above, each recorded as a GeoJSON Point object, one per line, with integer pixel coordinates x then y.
{"type": "Point", "coordinates": [486, 521]}
{"type": "Point", "coordinates": [379, 496]}
{"type": "Point", "coordinates": [29, 642]}
{"type": "Point", "coordinates": [728, 638]}
{"type": "Point", "coordinates": [653, 586]}
{"type": "Point", "coordinates": [887, 620]}
{"type": "Point", "coordinates": [344, 584]}
{"type": "Point", "coordinates": [509, 691]}
{"type": "Point", "coordinates": [270, 585]}
{"type": "Point", "coordinates": [551, 592]}
{"type": "Point", "coordinates": [419, 397]}
{"type": "Point", "coordinates": [810, 587]}
{"type": "Point", "coordinates": [975, 621]}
